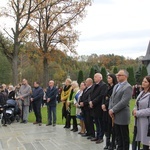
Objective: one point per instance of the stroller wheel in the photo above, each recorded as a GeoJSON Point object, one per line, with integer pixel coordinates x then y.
{"type": "Point", "coordinates": [2, 121]}
{"type": "Point", "coordinates": [8, 121]}
{"type": "Point", "coordinates": [17, 118]}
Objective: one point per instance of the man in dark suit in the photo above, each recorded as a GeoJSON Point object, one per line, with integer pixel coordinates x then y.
{"type": "Point", "coordinates": [36, 99]}
{"type": "Point", "coordinates": [119, 109]}
{"type": "Point", "coordinates": [51, 96]}
{"type": "Point", "coordinates": [99, 91]}
{"type": "Point", "coordinates": [84, 104]}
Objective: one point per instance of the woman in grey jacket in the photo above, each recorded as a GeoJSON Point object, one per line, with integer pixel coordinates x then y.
{"type": "Point", "coordinates": [142, 113]}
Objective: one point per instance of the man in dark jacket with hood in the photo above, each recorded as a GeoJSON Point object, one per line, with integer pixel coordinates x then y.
{"type": "Point", "coordinates": [36, 99]}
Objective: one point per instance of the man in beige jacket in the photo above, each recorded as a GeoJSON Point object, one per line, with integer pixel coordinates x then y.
{"type": "Point", "coordinates": [24, 100]}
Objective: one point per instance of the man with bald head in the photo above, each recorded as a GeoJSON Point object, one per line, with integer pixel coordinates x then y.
{"type": "Point", "coordinates": [51, 96]}
{"type": "Point", "coordinates": [98, 94]}
{"type": "Point", "coordinates": [84, 104]}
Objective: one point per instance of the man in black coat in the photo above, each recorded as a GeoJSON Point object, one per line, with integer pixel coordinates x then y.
{"type": "Point", "coordinates": [51, 96]}
{"type": "Point", "coordinates": [99, 91]}
{"type": "Point", "coordinates": [84, 104]}
{"type": "Point", "coordinates": [36, 99]}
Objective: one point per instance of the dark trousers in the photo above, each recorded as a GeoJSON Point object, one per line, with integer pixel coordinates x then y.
{"type": "Point", "coordinates": [99, 127]}
{"type": "Point", "coordinates": [74, 122]}
{"type": "Point", "coordinates": [122, 135]}
{"type": "Point", "coordinates": [67, 124]}
{"type": "Point", "coordinates": [37, 111]}
{"type": "Point", "coordinates": [145, 147]}
{"type": "Point", "coordinates": [51, 111]}
{"type": "Point", "coordinates": [108, 131]}
{"type": "Point", "coordinates": [87, 120]}
{"type": "Point", "coordinates": [91, 126]}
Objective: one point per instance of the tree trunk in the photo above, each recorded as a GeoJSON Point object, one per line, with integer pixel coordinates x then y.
{"type": "Point", "coordinates": [45, 72]}
{"type": "Point", "coordinates": [15, 70]}
{"type": "Point", "coordinates": [15, 63]}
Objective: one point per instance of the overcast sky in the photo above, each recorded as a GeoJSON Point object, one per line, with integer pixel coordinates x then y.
{"type": "Point", "coordinates": [120, 27]}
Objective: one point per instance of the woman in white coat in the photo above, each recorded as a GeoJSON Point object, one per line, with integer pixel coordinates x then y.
{"type": "Point", "coordinates": [142, 113]}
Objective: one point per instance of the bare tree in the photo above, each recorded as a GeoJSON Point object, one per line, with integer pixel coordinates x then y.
{"type": "Point", "coordinates": [21, 12]}
{"type": "Point", "coordinates": [53, 27]}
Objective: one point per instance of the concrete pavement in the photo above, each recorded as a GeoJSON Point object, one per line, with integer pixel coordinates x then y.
{"type": "Point", "coordinates": [19, 136]}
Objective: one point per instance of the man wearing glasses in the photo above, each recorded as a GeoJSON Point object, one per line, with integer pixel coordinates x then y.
{"type": "Point", "coordinates": [119, 109]}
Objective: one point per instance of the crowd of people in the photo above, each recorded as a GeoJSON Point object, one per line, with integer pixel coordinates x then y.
{"type": "Point", "coordinates": [28, 98]}
{"type": "Point", "coordinates": [103, 109]}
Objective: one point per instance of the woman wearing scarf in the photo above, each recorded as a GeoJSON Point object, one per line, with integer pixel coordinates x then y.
{"type": "Point", "coordinates": [64, 96]}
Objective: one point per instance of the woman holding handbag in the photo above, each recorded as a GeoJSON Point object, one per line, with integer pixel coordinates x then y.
{"type": "Point", "coordinates": [142, 114]}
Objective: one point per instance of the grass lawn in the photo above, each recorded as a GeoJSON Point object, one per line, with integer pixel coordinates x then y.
{"type": "Point", "coordinates": [44, 115]}
{"type": "Point", "coordinates": [60, 121]}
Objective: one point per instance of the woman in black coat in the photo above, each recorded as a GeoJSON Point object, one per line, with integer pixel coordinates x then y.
{"type": "Point", "coordinates": [112, 81]}
{"type": "Point", "coordinates": [11, 92]}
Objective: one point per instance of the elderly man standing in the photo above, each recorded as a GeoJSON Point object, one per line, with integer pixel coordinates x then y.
{"type": "Point", "coordinates": [24, 99]}
{"type": "Point", "coordinates": [119, 109]}
{"type": "Point", "coordinates": [98, 93]}
{"type": "Point", "coordinates": [84, 104]}
{"type": "Point", "coordinates": [51, 96]}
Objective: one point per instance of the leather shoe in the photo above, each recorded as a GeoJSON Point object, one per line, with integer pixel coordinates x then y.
{"type": "Point", "coordinates": [85, 135]}
{"type": "Point", "coordinates": [75, 130]}
{"type": "Point", "coordinates": [40, 124]}
{"type": "Point", "coordinates": [25, 121]}
{"type": "Point", "coordinates": [94, 139]}
{"type": "Point", "coordinates": [106, 147]}
{"type": "Point", "coordinates": [71, 129]}
{"type": "Point", "coordinates": [49, 124]}
{"type": "Point", "coordinates": [89, 137]}
{"type": "Point", "coordinates": [35, 122]}
{"type": "Point", "coordinates": [99, 141]}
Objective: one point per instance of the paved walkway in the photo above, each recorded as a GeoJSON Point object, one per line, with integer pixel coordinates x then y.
{"type": "Point", "coordinates": [33, 137]}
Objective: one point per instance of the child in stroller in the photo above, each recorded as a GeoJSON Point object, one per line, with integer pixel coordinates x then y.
{"type": "Point", "coordinates": [11, 112]}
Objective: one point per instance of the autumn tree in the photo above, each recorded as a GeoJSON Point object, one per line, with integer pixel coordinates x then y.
{"type": "Point", "coordinates": [53, 27]}
{"type": "Point", "coordinates": [20, 11]}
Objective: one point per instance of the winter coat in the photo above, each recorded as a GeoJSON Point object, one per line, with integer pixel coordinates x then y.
{"type": "Point", "coordinates": [97, 95]}
{"type": "Point", "coordinates": [142, 114]}
{"type": "Point", "coordinates": [52, 94]}
{"type": "Point", "coordinates": [37, 95]}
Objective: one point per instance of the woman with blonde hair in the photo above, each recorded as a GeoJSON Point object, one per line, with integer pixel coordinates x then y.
{"type": "Point", "coordinates": [78, 108]}
{"type": "Point", "coordinates": [64, 96]}
{"type": "Point", "coordinates": [72, 105]}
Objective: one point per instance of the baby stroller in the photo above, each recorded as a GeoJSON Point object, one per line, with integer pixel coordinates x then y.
{"type": "Point", "coordinates": [11, 112]}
